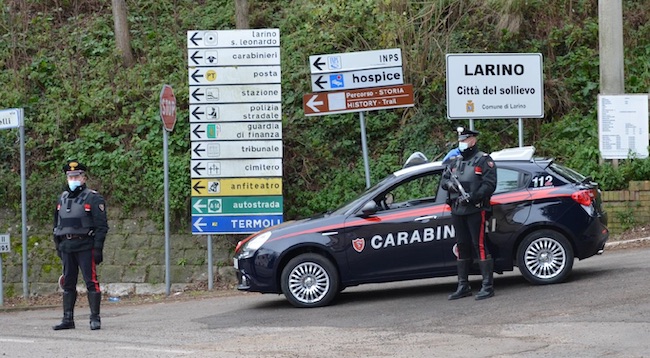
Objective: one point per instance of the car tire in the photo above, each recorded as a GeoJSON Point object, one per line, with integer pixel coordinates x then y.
{"type": "Point", "coordinates": [310, 280]}
{"type": "Point", "coordinates": [545, 257]}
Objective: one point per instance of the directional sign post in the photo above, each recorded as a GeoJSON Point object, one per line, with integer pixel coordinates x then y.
{"type": "Point", "coordinates": [357, 79]}
{"type": "Point", "coordinates": [368, 99]}
{"type": "Point", "coordinates": [351, 61]}
{"type": "Point", "coordinates": [9, 118]}
{"type": "Point", "coordinates": [13, 118]}
{"type": "Point", "coordinates": [235, 130]}
{"type": "Point", "coordinates": [365, 71]}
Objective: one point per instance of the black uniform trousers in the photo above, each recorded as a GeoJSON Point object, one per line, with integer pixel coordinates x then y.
{"type": "Point", "coordinates": [470, 235]}
{"type": "Point", "coordinates": [72, 262]}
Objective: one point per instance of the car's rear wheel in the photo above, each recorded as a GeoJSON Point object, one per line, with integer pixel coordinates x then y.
{"type": "Point", "coordinates": [545, 257]}
{"type": "Point", "coordinates": [310, 280]}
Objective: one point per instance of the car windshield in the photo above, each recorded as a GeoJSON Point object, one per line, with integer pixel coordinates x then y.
{"type": "Point", "coordinates": [363, 197]}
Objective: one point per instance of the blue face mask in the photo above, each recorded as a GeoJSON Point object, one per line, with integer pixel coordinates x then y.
{"type": "Point", "coordinates": [462, 146]}
{"type": "Point", "coordinates": [74, 184]}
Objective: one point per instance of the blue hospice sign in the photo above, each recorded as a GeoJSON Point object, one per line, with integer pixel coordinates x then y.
{"type": "Point", "coordinates": [233, 224]}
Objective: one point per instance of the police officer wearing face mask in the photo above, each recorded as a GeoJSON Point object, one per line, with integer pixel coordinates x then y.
{"type": "Point", "coordinates": [80, 227]}
{"type": "Point", "coordinates": [476, 172]}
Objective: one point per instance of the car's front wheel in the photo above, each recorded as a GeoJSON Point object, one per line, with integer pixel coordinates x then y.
{"type": "Point", "coordinates": [545, 257]}
{"type": "Point", "coordinates": [310, 280]}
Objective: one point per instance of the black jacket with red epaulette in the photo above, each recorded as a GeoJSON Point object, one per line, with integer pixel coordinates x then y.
{"type": "Point", "coordinates": [477, 173]}
{"type": "Point", "coordinates": [91, 223]}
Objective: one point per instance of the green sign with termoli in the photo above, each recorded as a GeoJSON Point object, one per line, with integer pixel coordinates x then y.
{"type": "Point", "coordinates": [237, 205]}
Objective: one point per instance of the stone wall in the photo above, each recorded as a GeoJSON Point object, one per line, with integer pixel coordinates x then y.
{"type": "Point", "coordinates": [134, 257]}
{"type": "Point", "coordinates": [134, 252]}
{"type": "Point", "coordinates": [628, 208]}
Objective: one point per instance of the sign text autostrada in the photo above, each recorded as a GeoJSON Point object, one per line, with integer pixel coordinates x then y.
{"type": "Point", "coordinates": [235, 129]}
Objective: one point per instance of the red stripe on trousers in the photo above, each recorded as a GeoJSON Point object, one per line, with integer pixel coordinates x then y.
{"type": "Point", "coordinates": [481, 237]}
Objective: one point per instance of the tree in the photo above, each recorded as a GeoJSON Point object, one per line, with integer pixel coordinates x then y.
{"type": "Point", "coordinates": [122, 37]}
{"type": "Point", "coordinates": [241, 14]}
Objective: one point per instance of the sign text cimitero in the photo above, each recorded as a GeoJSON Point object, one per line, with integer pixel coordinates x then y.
{"type": "Point", "coordinates": [168, 107]}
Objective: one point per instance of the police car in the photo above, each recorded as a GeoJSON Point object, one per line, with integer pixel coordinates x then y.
{"type": "Point", "coordinates": [544, 216]}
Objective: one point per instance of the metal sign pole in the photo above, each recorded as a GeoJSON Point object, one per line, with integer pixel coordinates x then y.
{"type": "Point", "coordinates": [1, 288]}
{"type": "Point", "coordinates": [167, 268]}
{"type": "Point", "coordinates": [521, 132]}
{"type": "Point", "coordinates": [23, 199]}
{"type": "Point", "coordinates": [210, 278]}
{"type": "Point", "coordinates": [364, 147]}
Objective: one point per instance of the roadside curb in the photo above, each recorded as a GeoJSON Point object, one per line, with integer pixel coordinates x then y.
{"type": "Point", "coordinates": [614, 244]}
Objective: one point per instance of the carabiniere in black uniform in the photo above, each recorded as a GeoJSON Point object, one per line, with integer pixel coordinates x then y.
{"type": "Point", "coordinates": [80, 227]}
{"type": "Point", "coordinates": [477, 174]}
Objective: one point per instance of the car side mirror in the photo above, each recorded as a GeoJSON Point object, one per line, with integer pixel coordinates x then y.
{"type": "Point", "coordinates": [370, 208]}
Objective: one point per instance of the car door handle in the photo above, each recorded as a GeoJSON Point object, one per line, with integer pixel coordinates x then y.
{"type": "Point", "coordinates": [426, 218]}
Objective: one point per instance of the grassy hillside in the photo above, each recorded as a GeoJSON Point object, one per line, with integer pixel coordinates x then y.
{"type": "Point", "coordinates": [58, 61]}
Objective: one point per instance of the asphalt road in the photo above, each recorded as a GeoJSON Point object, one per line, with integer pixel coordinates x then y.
{"type": "Point", "coordinates": [602, 311]}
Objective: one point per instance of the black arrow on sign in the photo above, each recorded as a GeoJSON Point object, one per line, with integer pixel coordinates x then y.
{"type": "Point", "coordinates": [197, 130]}
{"type": "Point", "coordinates": [196, 112]}
{"type": "Point", "coordinates": [194, 75]}
{"type": "Point", "coordinates": [197, 168]}
{"type": "Point", "coordinates": [196, 187]}
{"type": "Point", "coordinates": [317, 64]}
{"type": "Point", "coordinates": [195, 94]}
{"type": "Point", "coordinates": [318, 82]}
{"type": "Point", "coordinates": [198, 150]}
{"type": "Point", "coordinates": [194, 57]}
{"type": "Point", "coordinates": [194, 39]}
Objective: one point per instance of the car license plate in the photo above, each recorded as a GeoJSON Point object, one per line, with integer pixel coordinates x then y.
{"type": "Point", "coordinates": [235, 264]}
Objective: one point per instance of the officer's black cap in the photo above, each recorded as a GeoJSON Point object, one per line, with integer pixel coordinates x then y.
{"type": "Point", "coordinates": [73, 168]}
{"type": "Point", "coordinates": [464, 133]}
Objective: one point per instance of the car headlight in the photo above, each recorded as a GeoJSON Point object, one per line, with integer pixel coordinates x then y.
{"type": "Point", "coordinates": [255, 243]}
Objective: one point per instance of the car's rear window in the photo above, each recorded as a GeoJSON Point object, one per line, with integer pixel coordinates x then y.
{"type": "Point", "coordinates": [568, 174]}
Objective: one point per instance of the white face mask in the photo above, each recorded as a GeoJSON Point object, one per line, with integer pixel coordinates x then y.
{"type": "Point", "coordinates": [462, 146]}
{"type": "Point", "coordinates": [74, 184]}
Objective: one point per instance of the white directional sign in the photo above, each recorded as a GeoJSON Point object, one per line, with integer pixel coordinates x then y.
{"type": "Point", "coordinates": [236, 168]}
{"type": "Point", "coordinates": [236, 131]}
{"type": "Point", "coordinates": [10, 118]}
{"type": "Point", "coordinates": [234, 38]}
{"type": "Point", "coordinates": [236, 94]}
{"type": "Point", "coordinates": [235, 115]}
{"type": "Point", "coordinates": [506, 85]}
{"type": "Point", "coordinates": [357, 79]}
{"type": "Point", "coordinates": [237, 149]}
{"type": "Point", "coordinates": [246, 112]}
{"type": "Point", "coordinates": [350, 61]}
{"type": "Point", "coordinates": [234, 56]}
{"type": "Point", "coordinates": [234, 75]}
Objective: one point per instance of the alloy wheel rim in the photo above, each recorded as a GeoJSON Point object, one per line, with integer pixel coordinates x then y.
{"type": "Point", "coordinates": [309, 282]}
{"type": "Point", "coordinates": [545, 258]}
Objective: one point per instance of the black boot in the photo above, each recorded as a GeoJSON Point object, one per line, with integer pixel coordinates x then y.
{"type": "Point", "coordinates": [487, 270]}
{"type": "Point", "coordinates": [94, 300]}
{"type": "Point", "coordinates": [69, 299]}
{"type": "Point", "coordinates": [463, 290]}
